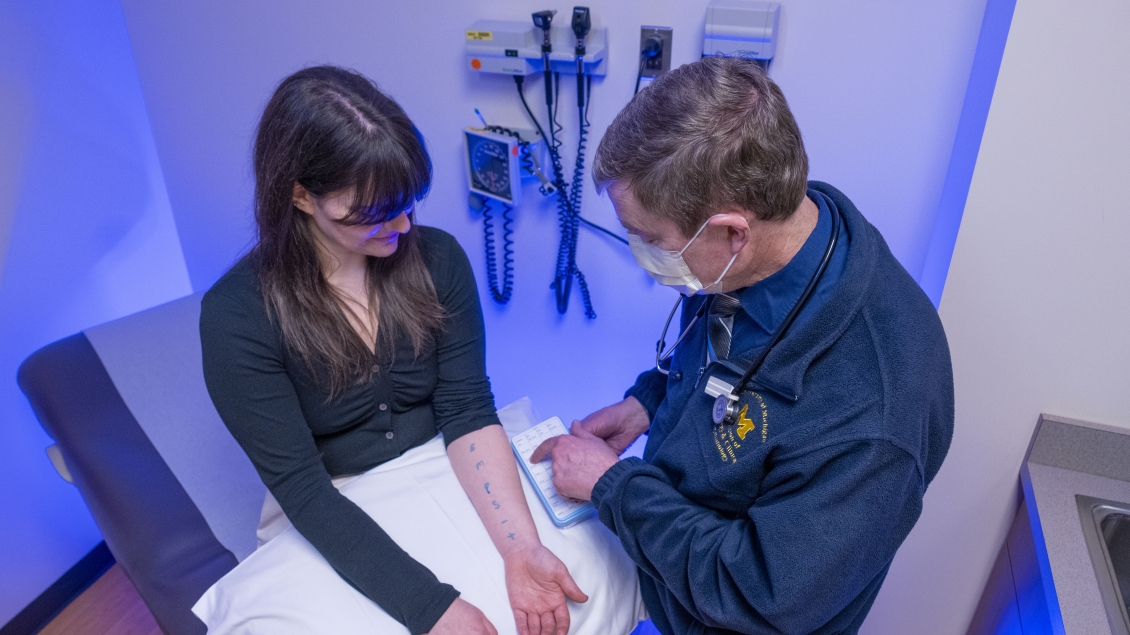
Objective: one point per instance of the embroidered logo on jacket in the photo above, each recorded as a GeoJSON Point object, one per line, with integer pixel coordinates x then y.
{"type": "Point", "coordinates": [728, 439]}
{"type": "Point", "coordinates": [745, 424]}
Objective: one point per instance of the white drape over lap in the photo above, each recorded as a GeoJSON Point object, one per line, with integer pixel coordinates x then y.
{"type": "Point", "coordinates": [287, 587]}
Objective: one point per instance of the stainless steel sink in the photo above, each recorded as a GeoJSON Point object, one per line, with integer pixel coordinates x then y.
{"type": "Point", "coordinates": [1106, 528]}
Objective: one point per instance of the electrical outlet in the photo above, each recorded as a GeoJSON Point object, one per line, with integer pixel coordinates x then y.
{"type": "Point", "coordinates": [655, 50]}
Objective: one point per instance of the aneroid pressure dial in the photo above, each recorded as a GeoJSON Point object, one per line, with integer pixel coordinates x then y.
{"type": "Point", "coordinates": [492, 165]}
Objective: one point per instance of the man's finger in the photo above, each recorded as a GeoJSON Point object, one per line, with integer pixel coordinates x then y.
{"type": "Point", "coordinates": [580, 425]}
{"type": "Point", "coordinates": [561, 616]}
{"type": "Point", "coordinates": [535, 623]}
{"type": "Point", "coordinates": [543, 450]}
{"type": "Point", "coordinates": [581, 433]}
{"type": "Point", "coordinates": [521, 622]}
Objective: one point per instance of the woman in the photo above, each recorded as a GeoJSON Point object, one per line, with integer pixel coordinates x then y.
{"type": "Point", "coordinates": [348, 338]}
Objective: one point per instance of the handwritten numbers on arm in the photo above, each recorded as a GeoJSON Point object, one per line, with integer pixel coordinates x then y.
{"type": "Point", "coordinates": [480, 464]}
{"type": "Point", "coordinates": [486, 486]}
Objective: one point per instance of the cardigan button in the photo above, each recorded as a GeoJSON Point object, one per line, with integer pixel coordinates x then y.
{"type": "Point", "coordinates": [677, 376]}
{"type": "Point", "coordinates": [376, 369]}
{"type": "Point", "coordinates": [383, 407]}
{"type": "Point", "coordinates": [389, 435]}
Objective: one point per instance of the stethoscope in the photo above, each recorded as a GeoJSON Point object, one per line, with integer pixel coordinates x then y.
{"type": "Point", "coordinates": [726, 396]}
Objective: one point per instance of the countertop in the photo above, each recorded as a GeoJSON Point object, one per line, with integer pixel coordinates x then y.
{"type": "Point", "coordinates": [1069, 457]}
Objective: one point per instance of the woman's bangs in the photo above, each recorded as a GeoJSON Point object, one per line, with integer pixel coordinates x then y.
{"type": "Point", "coordinates": [388, 181]}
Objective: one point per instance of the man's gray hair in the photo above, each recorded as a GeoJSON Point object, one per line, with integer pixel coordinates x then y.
{"type": "Point", "coordinates": [704, 136]}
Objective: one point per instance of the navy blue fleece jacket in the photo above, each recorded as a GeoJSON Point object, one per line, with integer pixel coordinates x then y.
{"type": "Point", "coordinates": [788, 522]}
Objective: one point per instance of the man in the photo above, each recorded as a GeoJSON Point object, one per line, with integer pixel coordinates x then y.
{"type": "Point", "coordinates": [785, 518]}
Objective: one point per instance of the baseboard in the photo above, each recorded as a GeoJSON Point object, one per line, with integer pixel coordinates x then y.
{"type": "Point", "coordinates": [57, 596]}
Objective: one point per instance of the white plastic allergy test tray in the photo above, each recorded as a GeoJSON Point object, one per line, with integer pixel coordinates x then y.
{"type": "Point", "coordinates": [565, 512]}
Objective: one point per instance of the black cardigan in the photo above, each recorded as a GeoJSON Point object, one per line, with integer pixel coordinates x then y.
{"type": "Point", "coordinates": [298, 439]}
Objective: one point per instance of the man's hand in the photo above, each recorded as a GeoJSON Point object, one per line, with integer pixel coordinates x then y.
{"type": "Point", "coordinates": [618, 425]}
{"type": "Point", "coordinates": [463, 618]}
{"type": "Point", "coordinates": [579, 460]}
{"type": "Point", "coordinates": [537, 584]}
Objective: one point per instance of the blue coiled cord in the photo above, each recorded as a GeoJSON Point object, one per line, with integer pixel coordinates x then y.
{"type": "Point", "coordinates": [501, 295]}
{"type": "Point", "coordinates": [568, 207]}
{"type": "Point", "coordinates": [575, 193]}
{"type": "Point", "coordinates": [568, 214]}
{"type": "Point", "coordinates": [562, 278]}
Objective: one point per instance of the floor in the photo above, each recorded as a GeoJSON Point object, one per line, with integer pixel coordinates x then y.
{"type": "Point", "coordinates": [110, 606]}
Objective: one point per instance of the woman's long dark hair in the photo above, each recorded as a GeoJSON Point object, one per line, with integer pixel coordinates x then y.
{"type": "Point", "coordinates": [329, 129]}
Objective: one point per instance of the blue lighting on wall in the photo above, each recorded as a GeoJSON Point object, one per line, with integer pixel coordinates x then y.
{"type": "Point", "coordinates": [967, 143]}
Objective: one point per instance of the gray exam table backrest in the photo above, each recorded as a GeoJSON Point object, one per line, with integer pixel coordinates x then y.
{"type": "Point", "coordinates": [175, 497]}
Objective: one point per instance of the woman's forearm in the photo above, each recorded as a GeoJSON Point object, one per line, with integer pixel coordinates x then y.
{"type": "Point", "coordinates": [486, 468]}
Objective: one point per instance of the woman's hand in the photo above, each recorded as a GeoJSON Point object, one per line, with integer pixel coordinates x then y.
{"type": "Point", "coordinates": [538, 583]}
{"type": "Point", "coordinates": [463, 618]}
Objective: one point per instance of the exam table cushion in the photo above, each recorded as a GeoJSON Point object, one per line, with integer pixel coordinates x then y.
{"type": "Point", "coordinates": [176, 499]}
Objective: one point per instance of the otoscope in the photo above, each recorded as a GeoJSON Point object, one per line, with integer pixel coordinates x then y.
{"type": "Point", "coordinates": [542, 20]}
{"type": "Point", "coordinates": [581, 25]}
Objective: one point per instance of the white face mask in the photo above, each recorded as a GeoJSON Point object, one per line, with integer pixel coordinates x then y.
{"type": "Point", "coordinates": [668, 267]}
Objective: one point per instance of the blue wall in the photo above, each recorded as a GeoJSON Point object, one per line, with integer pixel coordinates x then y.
{"type": "Point", "coordinates": [86, 235]}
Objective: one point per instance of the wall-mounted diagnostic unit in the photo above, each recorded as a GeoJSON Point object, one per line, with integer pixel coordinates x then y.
{"type": "Point", "coordinates": [742, 28]}
{"type": "Point", "coordinates": [522, 49]}
{"type": "Point", "coordinates": [515, 48]}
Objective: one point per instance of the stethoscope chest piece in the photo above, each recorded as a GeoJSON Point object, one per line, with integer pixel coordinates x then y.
{"type": "Point", "coordinates": [725, 410]}
{"type": "Point", "coordinates": [725, 401]}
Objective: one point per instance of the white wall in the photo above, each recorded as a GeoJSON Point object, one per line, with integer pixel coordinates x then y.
{"type": "Point", "coordinates": [86, 236]}
{"type": "Point", "coordinates": [1037, 303]}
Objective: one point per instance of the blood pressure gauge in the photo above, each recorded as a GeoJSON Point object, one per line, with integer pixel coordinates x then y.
{"type": "Point", "coordinates": [493, 168]}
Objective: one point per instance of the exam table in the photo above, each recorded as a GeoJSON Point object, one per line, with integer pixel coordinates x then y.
{"type": "Point", "coordinates": [175, 497]}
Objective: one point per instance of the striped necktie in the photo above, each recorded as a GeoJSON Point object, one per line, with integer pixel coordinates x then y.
{"type": "Point", "coordinates": [721, 324]}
